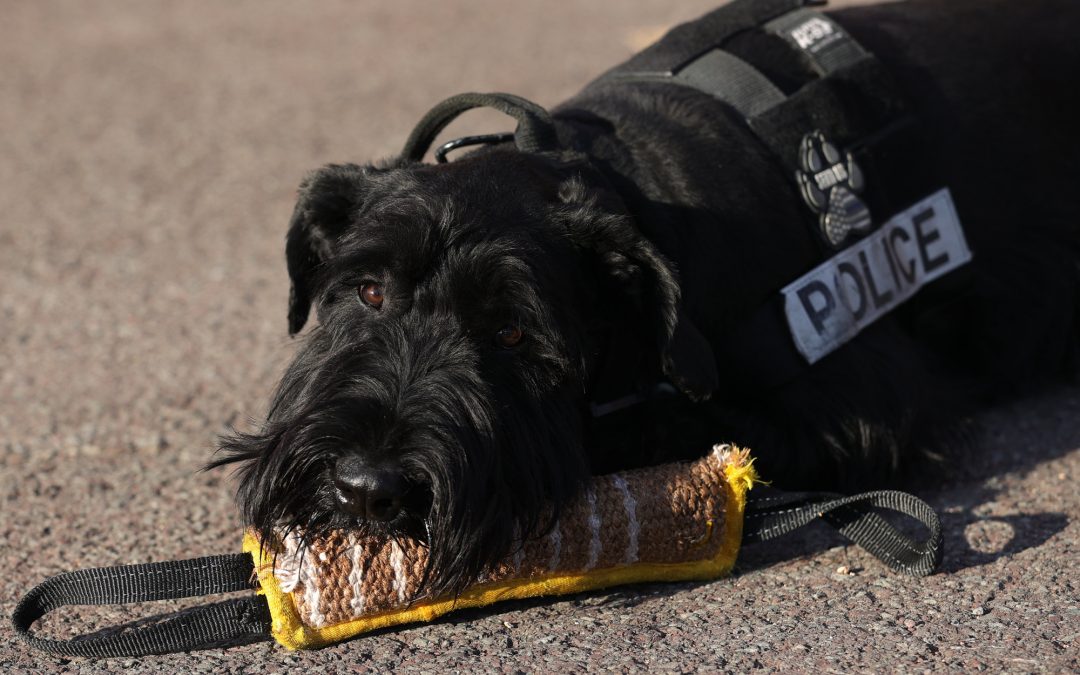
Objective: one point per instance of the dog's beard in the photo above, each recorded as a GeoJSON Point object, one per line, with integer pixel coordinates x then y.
{"type": "Point", "coordinates": [487, 471]}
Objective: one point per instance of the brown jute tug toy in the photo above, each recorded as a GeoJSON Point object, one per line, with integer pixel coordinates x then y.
{"type": "Point", "coordinates": [675, 522]}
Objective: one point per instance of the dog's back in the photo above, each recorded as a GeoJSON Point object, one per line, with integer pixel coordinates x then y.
{"type": "Point", "coordinates": [993, 87]}
{"type": "Point", "coordinates": [996, 81]}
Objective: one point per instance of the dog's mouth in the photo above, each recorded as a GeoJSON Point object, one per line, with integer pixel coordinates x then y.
{"type": "Point", "coordinates": [412, 518]}
{"type": "Point", "coordinates": [406, 524]}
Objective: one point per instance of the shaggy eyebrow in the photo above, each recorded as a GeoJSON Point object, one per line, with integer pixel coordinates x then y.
{"type": "Point", "coordinates": [368, 259]}
{"type": "Point", "coordinates": [496, 278]}
{"type": "Point", "coordinates": [386, 247]}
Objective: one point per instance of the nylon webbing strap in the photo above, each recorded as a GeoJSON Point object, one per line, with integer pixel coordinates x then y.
{"type": "Point", "coordinates": [226, 621]}
{"type": "Point", "coordinates": [775, 513]}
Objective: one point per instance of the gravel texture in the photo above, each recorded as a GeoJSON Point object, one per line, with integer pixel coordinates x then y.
{"type": "Point", "coordinates": [150, 153]}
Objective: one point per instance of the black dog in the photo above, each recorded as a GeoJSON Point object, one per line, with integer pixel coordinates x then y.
{"type": "Point", "coordinates": [494, 329]}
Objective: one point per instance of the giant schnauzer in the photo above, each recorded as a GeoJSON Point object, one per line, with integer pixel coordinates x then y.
{"type": "Point", "coordinates": [493, 330]}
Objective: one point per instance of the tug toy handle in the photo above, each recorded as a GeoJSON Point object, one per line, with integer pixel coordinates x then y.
{"type": "Point", "coordinates": [226, 621]}
{"type": "Point", "coordinates": [772, 514]}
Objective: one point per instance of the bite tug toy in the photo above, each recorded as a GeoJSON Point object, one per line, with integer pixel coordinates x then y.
{"type": "Point", "coordinates": [675, 522]}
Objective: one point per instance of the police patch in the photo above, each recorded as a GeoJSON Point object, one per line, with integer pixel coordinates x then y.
{"type": "Point", "coordinates": [836, 300]}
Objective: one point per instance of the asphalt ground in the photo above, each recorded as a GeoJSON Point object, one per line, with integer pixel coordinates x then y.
{"type": "Point", "coordinates": [149, 155]}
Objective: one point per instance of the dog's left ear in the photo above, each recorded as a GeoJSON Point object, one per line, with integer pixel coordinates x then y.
{"type": "Point", "coordinates": [635, 270]}
{"type": "Point", "coordinates": [689, 360]}
{"type": "Point", "coordinates": [327, 200]}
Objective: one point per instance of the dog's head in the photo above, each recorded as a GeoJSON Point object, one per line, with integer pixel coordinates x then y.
{"type": "Point", "coordinates": [463, 309]}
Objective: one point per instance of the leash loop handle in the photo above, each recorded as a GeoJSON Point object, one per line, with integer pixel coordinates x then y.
{"type": "Point", "coordinates": [201, 626]}
{"type": "Point", "coordinates": [774, 513]}
{"type": "Point", "coordinates": [535, 131]}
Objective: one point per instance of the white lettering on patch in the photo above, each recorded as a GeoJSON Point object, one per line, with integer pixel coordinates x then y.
{"type": "Point", "coordinates": [810, 32]}
{"type": "Point", "coordinates": [836, 300]}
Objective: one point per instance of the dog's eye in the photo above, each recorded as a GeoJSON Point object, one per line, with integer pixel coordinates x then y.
{"type": "Point", "coordinates": [371, 294]}
{"type": "Point", "coordinates": [509, 336]}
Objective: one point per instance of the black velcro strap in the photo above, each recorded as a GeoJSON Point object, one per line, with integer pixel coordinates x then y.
{"type": "Point", "coordinates": [851, 104]}
{"type": "Point", "coordinates": [687, 41]}
{"type": "Point", "coordinates": [776, 513]}
{"type": "Point", "coordinates": [227, 621]}
{"type": "Point", "coordinates": [823, 43]}
{"type": "Point", "coordinates": [535, 130]}
{"type": "Point", "coordinates": [733, 81]}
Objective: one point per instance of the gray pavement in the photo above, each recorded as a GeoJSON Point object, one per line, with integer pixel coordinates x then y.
{"type": "Point", "coordinates": [149, 155]}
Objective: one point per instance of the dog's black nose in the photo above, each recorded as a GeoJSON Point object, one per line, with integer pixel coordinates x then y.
{"type": "Point", "coordinates": [372, 493]}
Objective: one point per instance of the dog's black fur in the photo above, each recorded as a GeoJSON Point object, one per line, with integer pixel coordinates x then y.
{"type": "Point", "coordinates": [663, 226]}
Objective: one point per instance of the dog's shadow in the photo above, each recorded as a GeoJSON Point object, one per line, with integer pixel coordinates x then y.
{"type": "Point", "coordinates": [1002, 451]}
{"type": "Point", "coordinates": [1008, 535]}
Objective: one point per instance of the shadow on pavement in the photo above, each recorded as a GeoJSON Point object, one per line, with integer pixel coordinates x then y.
{"type": "Point", "coordinates": [969, 486]}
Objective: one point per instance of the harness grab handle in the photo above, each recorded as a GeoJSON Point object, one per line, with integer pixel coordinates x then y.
{"type": "Point", "coordinates": [535, 131]}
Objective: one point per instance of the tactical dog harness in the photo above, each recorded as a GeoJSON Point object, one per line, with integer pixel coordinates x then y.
{"type": "Point", "coordinates": [840, 135]}
{"type": "Point", "coordinates": [849, 141]}
{"type": "Point", "coordinates": [842, 131]}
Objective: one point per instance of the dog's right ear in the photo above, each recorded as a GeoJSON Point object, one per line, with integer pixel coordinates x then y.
{"type": "Point", "coordinates": [328, 200]}
{"type": "Point", "coordinates": [642, 277]}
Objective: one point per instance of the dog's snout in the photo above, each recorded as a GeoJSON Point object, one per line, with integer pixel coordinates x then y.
{"type": "Point", "coordinates": [372, 493]}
